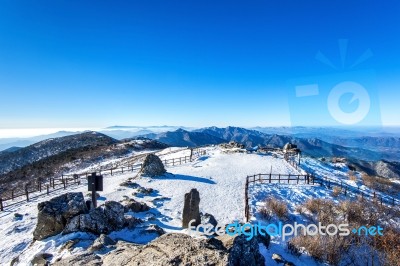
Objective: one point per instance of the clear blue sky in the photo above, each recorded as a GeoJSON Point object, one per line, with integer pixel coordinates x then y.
{"type": "Point", "coordinates": [193, 63]}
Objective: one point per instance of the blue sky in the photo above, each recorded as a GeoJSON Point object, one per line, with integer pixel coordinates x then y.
{"type": "Point", "coordinates": [193, 63]}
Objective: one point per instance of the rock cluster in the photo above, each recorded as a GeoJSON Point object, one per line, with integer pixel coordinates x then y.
{"type": "Point", "coordinates": [101, 220]}
{"type": "Point", "coordinates": [232, 145]}
{"type": "Point", "coordinates": [69, 213]}
{"type": "Point", "coordinates": [54, 214]}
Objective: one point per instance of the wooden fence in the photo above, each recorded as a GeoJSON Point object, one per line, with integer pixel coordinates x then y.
{"type": "Point", "coordinates": [365, 194]}
{"type": "Point", "coordinates": [184, 159]}
{"type": "Point", "coordinates": [309, 179]}
{"type": "Point", "coordinates": [287, 179]}
{"type": "Point", "coordinates": [68, 180]}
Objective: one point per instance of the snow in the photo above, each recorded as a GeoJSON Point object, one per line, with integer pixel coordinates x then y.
{"type": "Point", "coordinates": [219, 177]}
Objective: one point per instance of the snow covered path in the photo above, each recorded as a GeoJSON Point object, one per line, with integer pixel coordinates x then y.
{"type": "Point", "coordinates": [220, 179]}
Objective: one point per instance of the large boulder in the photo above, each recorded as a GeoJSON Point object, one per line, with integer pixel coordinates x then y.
{"type": "Point", "coordinates": [191, 209]}
{"type": "Point", "coordinates": [152, 166]}
{"type": "Point", "coordinates": [54, 214]}
{"type": "Point", "coordinates": [101, 220]}
{"type": "Point", "coordinates": [169, 249]}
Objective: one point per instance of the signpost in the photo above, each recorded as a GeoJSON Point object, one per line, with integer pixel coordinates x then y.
{"type": "Point", "coordinates": [95, 183]}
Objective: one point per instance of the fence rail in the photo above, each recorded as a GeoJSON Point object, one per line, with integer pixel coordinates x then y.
{"type": "Point", "coordinates": [270, 178]}
{"type": "Point", "coordinates": [309, 179]}
{"type": "Point", "coordinates": [184, 159]}
{"type": "Point", "coordinates": [345, 189]}
{"type": "Point", "coordinates": [31, 191]}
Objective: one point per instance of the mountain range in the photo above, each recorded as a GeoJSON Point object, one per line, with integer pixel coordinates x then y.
{"type": "Point", "coordinates": [373, 154]}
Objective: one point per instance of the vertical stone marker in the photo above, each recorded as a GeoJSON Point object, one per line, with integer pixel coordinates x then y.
{"type": "Point", "coordinates": [191, 209]}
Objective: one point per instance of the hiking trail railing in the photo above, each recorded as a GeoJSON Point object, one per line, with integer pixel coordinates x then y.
{"type": "Point", "coordinates": [287, 179]}
{"type": "Point", "coordinates": [39, 188]}
{"type": "Point", "coordinates": [310, 179]}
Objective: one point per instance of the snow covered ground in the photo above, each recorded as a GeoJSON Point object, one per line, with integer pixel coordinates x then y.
{"type": "Point", "coordinates": [218, 176]}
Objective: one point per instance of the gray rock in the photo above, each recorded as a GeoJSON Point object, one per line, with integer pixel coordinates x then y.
{"type": "Point", "coordinates": [101, 220]}
{"type": "Point", "coordinates": [169, 249]}
{"type": "Point", "coordinates": [114, 212]}
{"type": "Point", "coordinates": [41, 259]}
{"type": "Point", "coordinates": [152, 166]}
{"type": "Point", "coordinates": [154, 229]}
{"type": "Point", "coordinates": [132, 222]}
{"type": "Point", "coordinates": [54, 214]}
{"type": "Point", "coordinates": [87, 259]}
{"type": "Point", "coordinates": [102, 242]}
{"type": "Point", "coordinates": [69, 245]}
{"type": "Point", "coordinates": [191, 208]}
{"type": "Point", "coordinates": [245, 252]}
{"type": "Point", "coordinates": [135, 206]}
{"type": "Point", "coordinates": [208, 219]}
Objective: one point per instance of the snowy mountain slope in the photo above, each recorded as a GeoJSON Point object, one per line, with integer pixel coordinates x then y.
{"type": "Point", "coordinates": [220, 179]}
{"type": "Point", "coordinates": [19, 158]}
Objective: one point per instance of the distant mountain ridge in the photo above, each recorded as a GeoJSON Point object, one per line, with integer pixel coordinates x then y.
{"type": "Point", "coordinates": [16, 159]}
{"type": "Point", "coordinates": [183, 138]}
{"type": "Point", "coordinates": [250, 138]}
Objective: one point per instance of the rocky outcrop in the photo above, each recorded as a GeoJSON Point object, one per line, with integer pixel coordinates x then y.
{"type": "Point", "coordinates": [152, 166]}
{"type": "Point", "coordinates": [54, 214]}
{"type": "Point", "coordinates": [169, 249]}
{"type": "Point", "coordinates": [191, 209]}
{"type": "Point", "coordinates": [101, 220]}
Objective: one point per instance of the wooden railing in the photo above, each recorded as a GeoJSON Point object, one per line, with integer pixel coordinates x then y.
{"type": "Point", "coordinates": [31, 191]}
{"type": "Point", "coordinates": [270, 178]}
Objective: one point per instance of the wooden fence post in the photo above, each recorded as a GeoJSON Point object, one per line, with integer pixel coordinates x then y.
{"type": "Point", "coordinates": [47, 186]}
{"type": "Point", "coordinates": [40, 186]}
{"type": "Point", "coordinates": [1, 205]}
{"type": "Point", "coordinates": [122, 169]}
{"type": "Point", "coordinates": [12, 194]}
{"type": "Point", "coordinates": [288, 180]}
{"type": "Point", "coordinates": [270, 177]}
{"type": "Point", "coordinates": [279, 178]}
{"type": "Point", "coordinates": [63, 181]}
{"type": "Point", "coordinates": [111, 171]}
